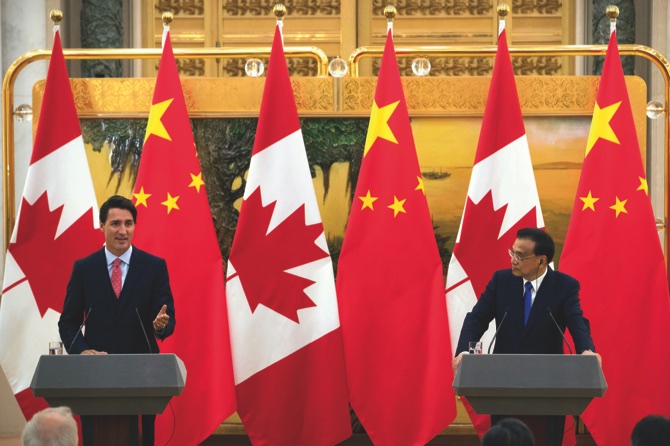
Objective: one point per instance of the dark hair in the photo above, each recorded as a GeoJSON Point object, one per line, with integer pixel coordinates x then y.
{"type": "Point", "coordinates": [651, 430]}
{"type": "Point", "coordinates": [117, 202]}
{"type": "Point", "coordinates": [544, 244]}
{"type": "Point", "coordinates": [508, 432]}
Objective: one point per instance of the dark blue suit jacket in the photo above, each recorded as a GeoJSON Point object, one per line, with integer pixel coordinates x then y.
{"type": "Point", "coordinates": [558, 291]}
{"type": "Point", "coordinates": [113, 325]}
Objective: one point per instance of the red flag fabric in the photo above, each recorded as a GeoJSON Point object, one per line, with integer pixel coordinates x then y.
{"type": "Point", "coordinates": [389, 283]}
{"type": "Point", "coordinates": [175, 223]}
{"type": "Point", "coordinates": [285, 328]}
{"type": "Point", "coordinates": [57, 223]}
{"type": "Point", "coordinates": [502, 198]}
{"type": "Point", "coordinates": [613, 249]}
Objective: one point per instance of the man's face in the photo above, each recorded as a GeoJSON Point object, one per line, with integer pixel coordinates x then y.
{"type": "Point", "coordinates": [528, 265]}
{"type": "Point", "coordinates": [119, 230]}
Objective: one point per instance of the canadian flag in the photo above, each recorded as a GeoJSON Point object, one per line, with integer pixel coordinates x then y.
{"type": "Point", "coordinates": [57, 223]}
{"type": "Point", "coordinates": [285, 334]}
{"type": "Point", "coordinates": [502, 198]}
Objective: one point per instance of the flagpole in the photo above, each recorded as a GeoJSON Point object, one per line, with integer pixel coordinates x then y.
{"type": "Point", "coordinates": [167, 19]}
{"type": "Point", "coordinates": [389, 13]}
{"type": "Point", "coordinates": [503, 11]}
{"type": "Point", "coordinates": [612, 12]}
{"type": "Point", "coordinates": [279, 11]}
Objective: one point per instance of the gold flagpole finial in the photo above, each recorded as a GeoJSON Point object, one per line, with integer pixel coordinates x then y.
{"type": "Point", "coordinates": [279, 11]}
{"type": "Point", "coordinates": [167, 18]}
{"type": "Point", "coordinates": [56, 16]}
{"type": "Point", "coordinates": [612, 12]}
{"type": "Point", "coordinates": [390, 13]}
{"type": "Point", "coordinates": [503, 10]}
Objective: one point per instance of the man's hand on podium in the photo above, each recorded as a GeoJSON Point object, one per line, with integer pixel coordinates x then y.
{"type": "Point", "coordinates": [456, 362]}
{"type": "Point", "coordinates": [93, 352]}
{"type": "Point", "coordinates": [589, 352]}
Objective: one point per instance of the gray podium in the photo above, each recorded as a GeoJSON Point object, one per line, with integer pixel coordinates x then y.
{"type": "Point", "coordinates": [110, 387]}
{"type": "Point", "coordinates": [529, 384]}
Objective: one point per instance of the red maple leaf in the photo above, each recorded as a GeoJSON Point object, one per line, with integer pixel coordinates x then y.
{"type": "Point", "coordinates": [262, 260]}
{"type": "Point", "coordinates": [45, 261]}
{"type": "Point", "coordinates": [479, 250]}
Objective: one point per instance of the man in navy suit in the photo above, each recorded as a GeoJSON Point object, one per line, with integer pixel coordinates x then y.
{"type": "Point", "coordinates": [122, 291]}
{"type": "Point", "coordinates": [529, 293]}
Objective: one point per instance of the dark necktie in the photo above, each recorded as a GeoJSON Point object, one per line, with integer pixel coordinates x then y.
{"type": "Point", "coordinates": [116, 276]}
{"type": "Point", "coordinates": [527, 302]}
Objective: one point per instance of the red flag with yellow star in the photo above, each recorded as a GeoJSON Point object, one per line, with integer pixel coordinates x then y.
{"type": "Point", "coordinates": [390, 284]}
{"type": "Point", "coordinates": [613, 249]}
{"type": "Point", "coordinates": [175, 223]}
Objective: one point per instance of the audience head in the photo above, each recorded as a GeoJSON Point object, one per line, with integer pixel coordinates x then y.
{"type": "Point", "coordinates": [652, 430]}
{"type": "Point", "coordinates": [508, 432]}
{"type": "Point", "coordinates": [54, 426]}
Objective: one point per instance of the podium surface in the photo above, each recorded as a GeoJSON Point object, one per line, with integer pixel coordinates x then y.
{"type": "Point", "coordinates": [529, 384]}
{"type": "Point", "coordinates": [109, 384]}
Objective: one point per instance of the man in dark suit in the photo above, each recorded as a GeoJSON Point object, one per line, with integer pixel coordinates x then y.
{"type": "Point", "coordinates": [121, 291]}
{"type": "Point", "coordinates": [527, 292]}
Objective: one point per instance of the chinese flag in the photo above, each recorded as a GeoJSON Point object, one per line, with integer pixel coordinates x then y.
{"type": "Point", "coordinates": [390, 284]}
{"type": "Point", "coordinates": [175, 223]}
{"type": "Point", "coordinates": [285, 328]}
{"type": "Point", "coordinates": [57, 224]}
{"type": "Point", "coordinates": [502, 198]}
{"type": "Point", "coordinates": [613, 249]}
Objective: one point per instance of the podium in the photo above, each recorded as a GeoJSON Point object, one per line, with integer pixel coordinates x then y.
{"type": "Point", "coordinates": [110, 387]}
{"type": "Point", "coordinates": [529, 384]}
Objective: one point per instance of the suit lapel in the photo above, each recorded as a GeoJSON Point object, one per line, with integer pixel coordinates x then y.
{"type": "Point", "coordinates": [542, 299]}
{"type": "Point", "coordinates": [131, 278]}
{"type": "Point", "coordinates": [102, 274]}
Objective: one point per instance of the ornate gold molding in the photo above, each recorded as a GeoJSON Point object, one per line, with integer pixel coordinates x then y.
{"type": "Point", "coordinates": [545, 65]}
{"type": "Point", "coordinates": [536, 6]}
{"type": "Point", "coordinates": [436, 7]}
{"type": "Point", "coordinates": [297, 66]}
{"type": "Point", "coordinates": [296, 7]}
{"type": "Point", "coordinates": [177, 7]}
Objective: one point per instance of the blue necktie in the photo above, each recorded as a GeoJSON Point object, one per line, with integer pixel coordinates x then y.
{"type": "Point", "coordinates": [527, 302]}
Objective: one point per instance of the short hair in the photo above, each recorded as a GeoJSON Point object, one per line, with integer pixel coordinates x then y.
{"type": "Point", "coordinates": [544, 244]}
{"type": "Point", "coordinates": [53, 426]}
{"type": "Point", "coordinates": [508, 432]}
{"type": "Point", "coordinates": [117, 202]}
{"type": "Point", "coordinates": [651, 430]}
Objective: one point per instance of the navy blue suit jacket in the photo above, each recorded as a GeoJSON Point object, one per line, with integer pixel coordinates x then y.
{"type": "Point", "coordinates": [558, 291]}
{"type": "Point", "coordinates": [113, 325]}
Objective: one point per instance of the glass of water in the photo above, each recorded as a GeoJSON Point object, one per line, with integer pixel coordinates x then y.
{"type": "Point", "coordinates": [56, 348]}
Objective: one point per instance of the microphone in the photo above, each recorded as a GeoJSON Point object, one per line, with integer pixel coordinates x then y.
{"type": "Point", "coordinates": [143, 330]}
{"type": "Point", "coordinates": [80, 327]}
{"type": "Point", "coordinates": [499, 327]}
{"type": "Point", "coordinates": [559, 330]}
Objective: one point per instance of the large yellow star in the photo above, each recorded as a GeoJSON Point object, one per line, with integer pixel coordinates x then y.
{"type": "Point", "coordinates": [171, 203]}
{"type": "Point", "coordinates": [589, 202]}
{"type": "Point", "coordinates": [196, 181]}
{"type": "Point", "coordinates": [368, 200]}
{"type": "Point", "coordinates": [619, 206]}
{"type": "Point", "coordinates": [643, 185]}
{"type": "Point", "coordinates": [397, 206]}
{"type": "Point", "coordinates": [155, 126]}
{"type": "Point", "coordinates": [379, 125]}
{"type": "Point", "coordinates": [420, 186]}
{"type": "Point", "coordinates": [141, 197]}
{"type": "Point", "coordinates": [600, 125]}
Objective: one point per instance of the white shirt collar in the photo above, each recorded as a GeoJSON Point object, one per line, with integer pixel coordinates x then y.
{"type": "Point", "coordinates": [536, 282]}
{"type": "Point", "coordinates": [125, 257]}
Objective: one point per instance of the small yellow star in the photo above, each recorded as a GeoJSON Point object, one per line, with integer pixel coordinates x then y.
{"type": "Point", "coordinates": [171, 203]}
{"type": "Point", "coordinates": [155, 126]}
{"type": "Point", "coordinates": [379, 125]}
{"type": "Point", "coordinates": [619, 206]}
{"type": "Point", "coordinates": [368, 200]}
{"type": "Point", "coordinates": [600, 125]}
{"type": "Point", "coordinates": [397, 206]}
{"type": "Point", "coordinates": [643, 185]}
{"type": "Point", "coordinates": [141, 197]}
{"type": "Point", "coordinates": [196, 181]}
{"type": "Point", "coordinates": [589, 202]}
{"type": "Point", "coordinates": [420, 186]}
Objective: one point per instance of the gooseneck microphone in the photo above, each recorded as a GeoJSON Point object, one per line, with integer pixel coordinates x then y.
{"type": "Point", "coordinates": [499, 327]}
{"type": "Point", "coordinates": [559, 330]}
{"type": "Point", "coordinates": [143, 330]}
{"type": "Point", "coordinates": [79, 331]}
